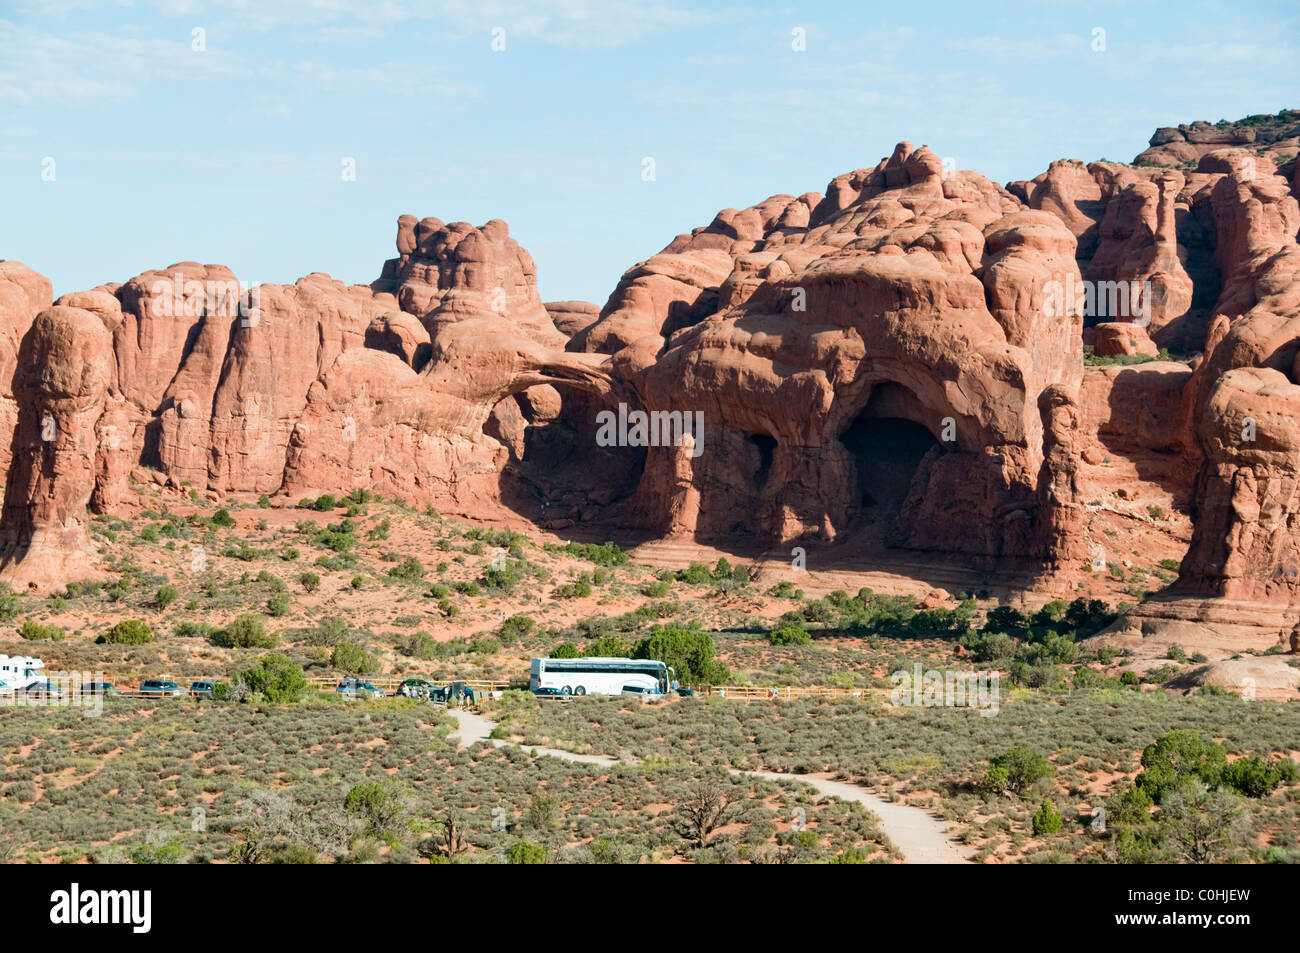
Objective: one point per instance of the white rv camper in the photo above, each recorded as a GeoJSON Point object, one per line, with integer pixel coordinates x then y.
{"type": "Point", "coordinates": [19, 671]}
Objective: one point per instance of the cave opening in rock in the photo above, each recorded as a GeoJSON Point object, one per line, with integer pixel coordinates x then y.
{"type": "Point", "coordinates": [766, 446]}
{"type": "Point", "coordinates": [888, 442]}
{"type": "Point", "coordinates": [557, 470]}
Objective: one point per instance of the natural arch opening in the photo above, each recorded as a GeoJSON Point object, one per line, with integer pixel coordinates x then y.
{"type": "Point", "coordinates": [557, 470]}
{"type": "Point", "coordinates": [888, 442]}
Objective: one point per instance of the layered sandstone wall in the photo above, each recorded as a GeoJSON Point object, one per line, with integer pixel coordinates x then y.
{"type": "Point", "coordinates": [901, 356]}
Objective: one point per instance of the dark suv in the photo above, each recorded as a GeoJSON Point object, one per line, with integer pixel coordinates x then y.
{"type": "Point", "coordinates": [161, 688]}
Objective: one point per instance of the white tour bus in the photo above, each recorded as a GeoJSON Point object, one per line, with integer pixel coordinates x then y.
{"type": "Point", "coordinates": [600, 676]}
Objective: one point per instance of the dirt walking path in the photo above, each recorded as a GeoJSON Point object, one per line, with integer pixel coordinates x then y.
{"type": "Point", "coordinates": [918, 835]}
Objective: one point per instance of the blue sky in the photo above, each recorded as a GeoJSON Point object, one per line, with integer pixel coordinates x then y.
{"type": "Point", "coordinates": [234, 154]}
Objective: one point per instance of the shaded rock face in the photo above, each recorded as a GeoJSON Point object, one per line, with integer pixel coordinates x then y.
{"type": "Point", "coordinates": [1244, 400]}
{"type": "Point", "coordinates": [65, 372]}
{"type": "Point", "coordinates": [23, 295]}
{"type": "Point", "coordinates": [215, 376]}
{"type": "Point", "coordinates": [898, 359]}
{"type": "Point", "coordinates": [1136, 241]}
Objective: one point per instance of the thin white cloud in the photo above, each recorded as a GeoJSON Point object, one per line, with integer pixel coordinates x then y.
{"type": "Point", "coordinates": [38, 68]}
{"type": "Point", "coordinates": [390, 79]}
{"type": "Point", "coordinates": [41, 69]}
{"type": "Point", "coordinates": [1021, 47]}
{"type": "Point", "coordinates": [562, 23]}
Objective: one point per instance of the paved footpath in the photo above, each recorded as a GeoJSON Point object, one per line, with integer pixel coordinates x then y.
{"type": "Point", "coordinates": [920, 836]}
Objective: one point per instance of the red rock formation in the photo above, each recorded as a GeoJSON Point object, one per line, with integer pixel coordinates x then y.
{"type": "Point", "coordinates": [65, 368]}
{"type": "Point", "coordinates": [908, 299]}
{"type": "Point", "coordinates": [23, 294]}
{"type": "Point", "coordinates": [1119, 339]}
{"type": "Point", "coordinates": [570, 317]}
{"type": "Point", "coordinates": [899, 360]}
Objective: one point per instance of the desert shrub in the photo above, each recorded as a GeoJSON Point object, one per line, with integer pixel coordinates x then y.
{"type": "Point", "coordinates": [380, 808]}
{"type": "Point", "coordinates": [524, 852]}
{"type": "Point", "coordinates": [573, 590]}
{"type": "Point", "coordinates": [604, 554]}
{"type": "Point", "coordinates": [789, 634]}
{"type": "Point", "coordinates": [1084, 677]}
{"type": "Point", "coordinates": [420, 645]}
{"type": "Point", "coordinates": [223, 519]}
{"type": "Point", "coordinates": [1006, 619]}
{"type": "Point", "coordinates": [329, 631]}
{"type": "Point", "coordinates": [1255, 777]}
{"type": "Point", "coordinates": [127, 632]}
{"type": "Point", "coordinates": [989, 646]}
{"type": "Point", "coordinates": [565, 650]}
{"type": "Point", "coordinates": [10, 604]}
{"type": "Point", "coordinates": [657, 589]}
{"type": "Point", "coordinates": [247, 631]}
{"type": "Point", "coordinates": [337, 537]}
{"type": "Point", "coordinates": [309, 581]}
{"type": "Point", "coordinates": [1088, 616]}
{"type": "Point", "coordinates": [505, 577]}
{"type": "Point", "coordinates": [1047, 820]}
{"type": "Point", "coordinates": [696, 574]}
{"type": "Point", "coordinates": [1177, 756]}
{"type": "Point", "coordinates": [1200, 826]}
{"type": "Point", "coordinates": [543, 811]}
{"type": "Point", "coordinates": [608, 646]}
{"type": "Point", "coordinates": [350, 657]}
{"type": "Point", "coordinates": [34, 631]}
{"type": "Point", "coordinates": [409, 569]}
{"type": "Point", "coordinates": [1132, 807]}
{"type": "Point", "coordinates": [820, 611]}
{"type": "Point", "coordinates": [939, 623]}
{"type": "Point", "coordinates": [1017, 769]}
{"type": "Point", "coordinates": [517, 627]}
{"type": "Point", "coordinates": [192, 630]}
{"type": "Point", "coordinates": [279, 605]}
{"type": "Point", "coordinates": [689, 651]}
{"type": "Point", "coordinates": [277, 678]}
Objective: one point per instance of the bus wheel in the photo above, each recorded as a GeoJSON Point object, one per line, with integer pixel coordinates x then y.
{"type": "Point", "coordinates": [566, 690]}
{"type": "Point", "coordinates": [580, 690]}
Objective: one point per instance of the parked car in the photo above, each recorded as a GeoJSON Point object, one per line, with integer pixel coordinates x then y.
{"type": "Point", "coordinates": [550, 693]}
{"type": "Point", "coordinates": [640, 691]}
{"type": "Point", "coordinates": [97, 688]}
{"type": "Point", "coordinates": [201, 689]}
{"type": "Point", "coordinates": [162, 688]}
{"type": "Point", "coordinates": [416, 688]}
{"type": "Point", "coordinates": [45, 689]}
{"type": "Point", "coordinates": [351, 687]}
